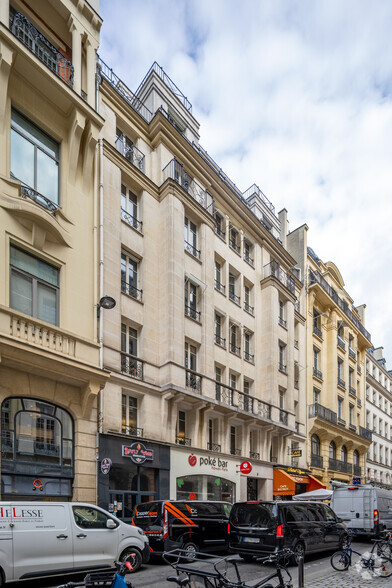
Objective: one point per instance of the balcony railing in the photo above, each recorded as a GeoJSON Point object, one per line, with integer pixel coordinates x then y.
{"type": "Point", "coordinates": [341, 343]}
{"type": "Point", "coordinates": [316, 461]}
{"type": "Point", "coordinates": [235, 451]}
{"type": "Point", "coordinates": [175, 171]}
{"type": "Point", "coordinates": [234, 349]}
{"type": "Point", "coordinates": [317, 373]}
{"type": "Point", "coordinates": [234, 245]}
{"type": "Point", "coordinates": [316, 278]}
{"type": "Point", "coordinates": [47, 53]}
{"type": "Point", "coordinates": [341, 383]}
{"type": "Point", "coordinates": [282, 367]}
{"type": "Point", "coordinates": [233, 296]}
{"type": "Point", "coordinates": [193, 380]}
{"type": "Point", "coordinates": [192, 313]}
{"type": "Point", "coordinates": [317, 332]}
{"type": "Point", "coordinates": [220, 340]}
{"type": "Point", "coordinates": [254, 455]}
{"type": "Point", "coordinates": [214, 447]}
{"type": "Point", "coordinates": [131, 366]}
{"type": "Point", "coordinates": [352, 353]}
{"type": "Point", "coordinates": [250, 309]}
{"type": "Point", "coordinates": [365, 433]}
{"type": "Point", "coordinates": [359, 370]}
{"type": "Point", "coordinates": [192, 249]}
{"type": "Point", "coordinates": [131, 290]}
{"type": "Point", "coordinates": [283, 417]}
{"type": "Point", "coordinates": [357, 470]}
{"type": "Point", "coordinates": [220, 287]}
{"type": "Point", "coordinates": [40, 199]}
{"type": "Point", "coordinates": [220, 233]}
{"type": "Point", "coordinates": [130, 152]}
{"type": "Point", "coordinates": [132, 431]}
{"type": "Point", "coordinates": [131, 220]}
{"type": "Point", "coordinates": [352, 391]}
{"type": "Point", "coordinates": [340, 466]}
{"type": "Point", "coordinates": [282, 322]}
{"type": "Point", "coordinates": [317, 410]}
{"type": "Point", "coordinates": [273, 269]}
{"type": "Point", "coordinates": [169, 83]}
{"type": "Point", "coordinates": [249, 356]}
{"type": "Point", "coordinates": [233, 397]}
{"type": "Point", "coordinates": [249, 259]}
{"type": "Point", "coordinates": [180, 440]}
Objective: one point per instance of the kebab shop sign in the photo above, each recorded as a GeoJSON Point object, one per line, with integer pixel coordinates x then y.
{"type": "Point", "coordinates": [215, 463]}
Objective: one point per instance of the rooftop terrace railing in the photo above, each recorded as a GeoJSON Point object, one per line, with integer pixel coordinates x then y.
{"type": "Point", "coordinates": [175, 171]}
{"type": "Point", "coordinates": [254, 189]}
{"type": "Point", "coordinates": [169, 83]}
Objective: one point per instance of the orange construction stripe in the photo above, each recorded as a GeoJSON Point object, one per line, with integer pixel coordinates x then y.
{"type": "Point", "coordinates": [178, 514]}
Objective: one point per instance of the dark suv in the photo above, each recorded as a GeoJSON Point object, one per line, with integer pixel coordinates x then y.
{"type": "Point", "coordinates": [259, 528]}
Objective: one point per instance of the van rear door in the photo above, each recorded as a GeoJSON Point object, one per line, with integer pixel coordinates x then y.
{"type": "Point", "coordinates": [42, 541]}
{"type": "Point", "coordinates": [149, 517]}
{"type": "Point", "coordinates": [355, 506]}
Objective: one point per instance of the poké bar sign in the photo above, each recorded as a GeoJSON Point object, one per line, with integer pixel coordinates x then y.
{"type": "Point", "coordinates": [137, 452]}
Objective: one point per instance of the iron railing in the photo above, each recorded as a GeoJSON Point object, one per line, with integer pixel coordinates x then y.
{"type": "Point", "coordinates": [249, 356]}
{"type": "Point", "coordinates": [254, 189]}
{"type": "Point", "coordinates": [234, 349]}
{"type": "Point", "coordinates": [132, 431]}
{"type": "Point", "coordinates": [237, 399]}
{"type": "Point", "coordinates": [220, 340]}
{"type": "Point", "coordinates": [220, 287]}
{"type": "Point", "coordinates": [132, 366]}
{"type": "Point", "coordinates": [352, 391]}
{"type": "Point", "coordinates": [131, 290]}
{"type": "Point", "coordinates": [192, 249]}
{"type": "Point", "coordinates": [131, 220]}
{"type": "Point", "coordinates": [357, 470]}
{"type": "Point", "coordinates": [220, 233]}
{"type": "Point", "coordinates": [249, 308]}
{"type": "Point", "coordinates": [234, 245]}
{"type": "Point", "coordinates": [47, 53]}
{"type": "Point", "coordinates": [352, 353]}
{"type": "Point", "coordinates": [365, 433]}
{"type": "Point", "coordinates": [233, 296]}
{"type": "Point", "coordinates": [254, 455]}
{"type": "Point", "coordinates": [282, 367]}
{"type": "Point", "coordinates": [175, 170]}
{"type": "Point", "coordinates": [235, 451]}
{"type": "Point", "coordinates": [169, 83]}
{"type": "Point", "coordinates": [192, 313]}
{"type": "Point", "coordinates": [340, 466]}
{"type": "Point", "coordinates": [341, 383]}
{"type": "Point", "coordinates": [249, 259]}
{"type": "Point", "coordinates": [282, 322]}
{"type": "Point", "coordinates": [180, 440]}
{"type": "Point", "coordinates": [341, 343]}
{"type": "Point", "coordinates": [273, 269]}
{"type": "Point", "coordinates": [317, 332]}
{"type": "Point", "coordinates": [214, 447]}
{"type": "Point", "coordinates": [193, 380]}
{"type": "Point", "coordinates": [130, 152]}
{"type": "Point", "coordinates": [317, 373]}
{"type": "Point", "coordinates": [40, 199]}
{"type": "Point", "coordinates": [317, 410]}
{"type": "Point", "coordinates": [283, 417]}
{"type": "Point", "coordinates": [316, 461]}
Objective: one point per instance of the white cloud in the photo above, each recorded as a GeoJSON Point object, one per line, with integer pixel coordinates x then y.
{"type": "Point", "coordinates": [294, 96]}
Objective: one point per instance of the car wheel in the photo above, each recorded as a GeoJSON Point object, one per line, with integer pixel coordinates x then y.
{"type": "Point", "coordinates": [246, 557]}
{"type": "Point", "coordinates": [190, 549]}
{"type": "Point", "coordinates": [299, 551]}
{"type": "Point", "coordinates": [133, 556]}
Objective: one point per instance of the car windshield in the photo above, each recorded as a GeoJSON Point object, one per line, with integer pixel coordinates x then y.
{"type": "Point", "coordinates": [254, 515]}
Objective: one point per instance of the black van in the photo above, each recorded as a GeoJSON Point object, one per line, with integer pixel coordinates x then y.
{"type": "Point", "coordinates": [193, 526]}
{"type": "Point", "coordinates": [259, 528]}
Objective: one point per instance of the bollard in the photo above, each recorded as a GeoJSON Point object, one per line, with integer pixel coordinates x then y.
{"type": "Point", "coordinates": [301, 572]}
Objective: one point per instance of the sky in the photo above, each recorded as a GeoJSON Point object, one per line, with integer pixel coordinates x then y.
{"type": "Point", "coordinates": [294, 96]}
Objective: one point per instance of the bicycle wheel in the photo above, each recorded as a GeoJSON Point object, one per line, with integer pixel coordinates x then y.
{"type": "Point", "coordinates": [340, 561]}
{"type": "Point", "coordinates": [384, 549]}
{"type": "Point", "coordinates": [382, 566]}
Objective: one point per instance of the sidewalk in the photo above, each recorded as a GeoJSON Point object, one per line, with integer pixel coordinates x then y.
{"type": "Point", "coordinates": [349, 579]}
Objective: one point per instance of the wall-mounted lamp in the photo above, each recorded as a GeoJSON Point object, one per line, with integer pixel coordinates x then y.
{"type": "Point", "coordinates": [106, 302]}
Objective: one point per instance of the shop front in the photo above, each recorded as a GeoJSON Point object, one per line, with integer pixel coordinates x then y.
{"type": "Point", "coordinates": [131, 472]}
{"type": "Point", "coordinates": [290, 481]}
{"type": "Point", "coordinates": [206, 476]}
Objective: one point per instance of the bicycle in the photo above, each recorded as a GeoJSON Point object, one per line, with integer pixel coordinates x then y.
{"type": "Point", "coordinates": [379, 565]}
{"type": "Point", "coordinates": [105, 579]}
{"type": "Point", "coordinates": [213, 577]}
{"type": "Point", "coordinates": [385, 545]}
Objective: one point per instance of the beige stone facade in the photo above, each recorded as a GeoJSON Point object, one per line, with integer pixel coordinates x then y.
{"type": "Point", "coordinates": [49, 352]}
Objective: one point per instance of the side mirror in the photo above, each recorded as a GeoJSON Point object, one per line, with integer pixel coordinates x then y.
{"type": "Point", "coordinates": [110, 524]}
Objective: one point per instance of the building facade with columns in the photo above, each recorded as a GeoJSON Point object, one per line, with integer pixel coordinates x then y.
{"type": "Point", "coordinates": [50, 373]}
{"type": "Point", "coordinates": [337, 340]}
{"type": "Point", "coordinates": [379, 417]}
{"type": "Point", "coordinates": [208, 332]}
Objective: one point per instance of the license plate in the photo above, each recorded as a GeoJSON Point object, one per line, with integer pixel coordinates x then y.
{"type": "Point", "coordinates": [250, 540]}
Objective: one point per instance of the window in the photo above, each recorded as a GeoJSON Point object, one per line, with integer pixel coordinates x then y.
{"type": "Point", "coordinates": [218, 380]}
{"type": "Point", "coordinates": [129, 276]}
{"type": "Point", "coordinates": [340, 408]}
{"type": "Point", "coordinates": [190, 240]}
{"type": "Point", "coordinates": [218, 277]}
{"type": "Point", "coordinates": [282, 320]}
{"type": "Point", "coordinates": [128, 149]}
{"type": "Point", "coordinates": [351, 414]}
{"type": "Point", "coordinates": [317, 323]}
{"type": "Point", "coordinates": [343, 453]}
{"type": "Point", "coordinates": [351, 380]}
{"type": "Point", "coordinates": [340, 368]}
{"type": "Point", "coordinates": [316, 396]}
{"type": "Point", "coordinates": [129, 208]}
{"type": "Point", "coordinates": [247, 347]}
{"type": "Point", "coordinates": [34, 159]}
{"type": "Point", "coordinates": [181, 427]}
{"type": "Point", "coordinates": [282, 357]}
{"type": "Point", "coordinates": [248, 253]}
{"type": "Point", "coordinates": [129, 414]}
{"type": "Point", "coordinates": [190, 357]}
{"type": "Point", "coordinates": [234, 239]}
{"type": "Point", "coordinates": [356, 457]}
{"type": "Point", "coordinates": [219, 228]}
{"type": "Point", "coordinates": [88, 517]}
{"type": "Point", "coordinates": [232, 289]}
{"type": "Point", "coordinates": [332, 450]}
{"type": "Point", "coordinates": [316, 362]}
{"type": "Point", "coordinates": [233, 441]}
{"type": "Point", "coordinates": [219, 340]}
{"type": "Point", "coordinates": [247, 305]}
{"type": "Point", "coordinates": [191, 291]}
{"type": "Point", "coordinates": [129, 349]}
{"type": "Point", "coordinates": [315, 445]}
{"type": "Point", "coordinates": [34, 286]}
{"type": "Point", "coordinates": [234, 339]}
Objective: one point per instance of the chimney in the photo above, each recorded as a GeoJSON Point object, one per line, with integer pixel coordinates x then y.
{"type": "Point", "coordinates": [284, 226]}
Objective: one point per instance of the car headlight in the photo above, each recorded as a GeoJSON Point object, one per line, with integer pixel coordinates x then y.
{"type": "Point", "coordinates": [140, 531]}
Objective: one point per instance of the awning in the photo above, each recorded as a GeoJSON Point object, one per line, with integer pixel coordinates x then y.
{"type": "Point", "coordinates": [284, 483]}
{"type": "Point", "coordinates": [314, 484]}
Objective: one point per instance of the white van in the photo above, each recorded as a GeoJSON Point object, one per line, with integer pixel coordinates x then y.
{"type": "Point", "coordinates": [365, 508]}
{"type": "Point", "coordinates": [48, 538]}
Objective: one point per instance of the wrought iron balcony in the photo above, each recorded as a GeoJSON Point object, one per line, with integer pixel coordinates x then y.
{"type": "Point", "coordinates": [249, 356]}
{"type": "Point", "coordinates": [175, 171]}
{"type": "Point", "coordinates": [235, 451]}
{"type": "Point", "coordinates": [234, 349]}
{"type": "Point", "coordinates": [316, 461]}
{"type": "Point", "coordinates": [131, 220]}
{"type": "Point", "coordinates": [234, 245]}
{"type": "Point", "coordinates": [282, 322]}
{"type": "Point", "coordinates": [214, 447]}
{"type": "Point", "coordinates": [220, 233]}
{"type": "Point", "coordinates": [233, 296]}
{"type": "Point", "coordinates": [317, 332]}
{"type": "Point", "coordinates": [317, 373]}
{"type": "Point", "coordinates": [250, 309]}
{"type": "Point", "coordinates": [192, 313]}
{"type": "Point", "coordinates": [341, 343]}
{"type": "Point", "coordinates": [40, 199]}
{"type": "Point", "coordinates": [340, 466]}
{"type": "Point", "coordinates": [316, 278]}
{"type": "Point", "coordinates": [365, 433]}
{"type": "Point", "coordinates": [254, 455]}
{"type": "Point", "coordinates": [352, 391]}
{"type": "Point", "coordinates": [192, 249]}
{"type": "Point", "coordinates": [341, 383]}
{"type": "Point", "coordinates": [132, 431]}
{"type": "Point", "coordinates": [317, 410]}
{"type": "Point", "coordinates": [357, 470]}
{"type": "Point", "coordinates": [130, 152]}
{"type": "Point", "coordinates": [283, 417]}
{"type": "Point", "coordinates": [131, 366]}
{"type": "Point", "coordinates": [233, 397]}
{"type": "Point", "coordinates": [341, 421]}
{"type": "Point", "coordinates": [169, 83]}
{"type": "Point", "coordinates": [131, 290]}
{"type": "Point", "coordinates": [47, 53]}
{"type": "Point", "coordinates": [180, 440]}
{"type": "Point", "coordinates": [273, 269]}
{"type": "Point", "coordinates": [352, 353]}
{"type": "Point", "coordinates": [249, 259]}
{"type": "Point", "coordinates": [282, 367]}
{"type": "Point", "coordinates": [220, 287]}
{"type": "Point", "coordinates": [220, 340]}
{"type": "Point", "coordinates": [193, 380]}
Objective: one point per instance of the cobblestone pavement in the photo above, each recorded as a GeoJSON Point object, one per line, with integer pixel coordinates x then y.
{"type": "Point", "coordinates": [349, 579]}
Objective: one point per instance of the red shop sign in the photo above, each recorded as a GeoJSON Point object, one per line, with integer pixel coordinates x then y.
{"type": "Point", "coordinates": [245, 467]}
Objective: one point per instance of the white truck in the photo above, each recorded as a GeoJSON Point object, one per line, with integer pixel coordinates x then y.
{"type": "Point", "coordinates": [365, 508]}
{"type": "Point", "coordinates": [50, 538]}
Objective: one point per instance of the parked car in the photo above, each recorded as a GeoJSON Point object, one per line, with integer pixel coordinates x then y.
{"type": "Point", "coordinates": [365, 508]}
{"type": "Point", "coordinates": [190, 525]}
{"type": "Point", "coordinates": [260, 528]}
{"type": "Point", "coordinates": [48, 538]}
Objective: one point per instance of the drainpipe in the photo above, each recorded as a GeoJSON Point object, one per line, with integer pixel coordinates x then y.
{"type": "Point", "coordinates": [101, 265]}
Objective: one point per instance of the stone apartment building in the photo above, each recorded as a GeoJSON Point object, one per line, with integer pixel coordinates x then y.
{"type": "Point", "coordinates": [208, 332]}
{"type": "Point", "coordinates": [50, 375]}
{"type": "Point", "coordinates": [338, 437]}
{"type": "Point", "coordinates": [379, 418]}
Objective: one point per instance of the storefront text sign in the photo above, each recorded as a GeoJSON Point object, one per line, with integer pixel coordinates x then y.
{"type": "Point", "coordinates": [216, 463]}
{"type": "Point", "coordinates": [137, 452]}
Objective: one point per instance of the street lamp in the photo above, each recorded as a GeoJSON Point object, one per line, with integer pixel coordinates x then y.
{"type": "Point", "coordinates": [106, 302]}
